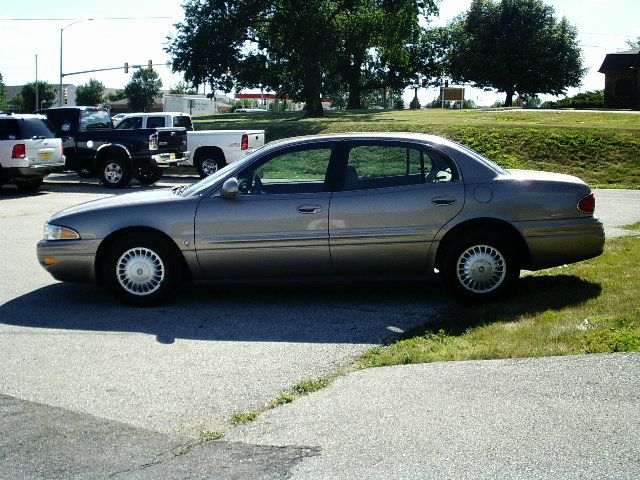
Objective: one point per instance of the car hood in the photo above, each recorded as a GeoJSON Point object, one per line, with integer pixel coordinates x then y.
{"type": "Point", "coordinates": [118, 201]}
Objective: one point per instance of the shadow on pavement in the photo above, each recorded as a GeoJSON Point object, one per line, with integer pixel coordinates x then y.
{"type": "Point", "coordinates": [307, 313]}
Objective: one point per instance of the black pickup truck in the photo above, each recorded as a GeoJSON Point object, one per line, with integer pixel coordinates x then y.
{"type": "Point", "coordinates": [94, 149]}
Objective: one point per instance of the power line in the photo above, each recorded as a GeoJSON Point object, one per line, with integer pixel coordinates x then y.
{"type": "Point", "coordinates": [69, 19]}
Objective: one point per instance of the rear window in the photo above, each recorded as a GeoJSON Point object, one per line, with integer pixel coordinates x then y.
{"type": "Point", "coordinates": [155, 122]}
{"type": "Point", "coordinates": [35, 127]}
{"type": "Point", "coordinates": [9, 129]}
{"type": "Point", "coordinates": [95, 120]}
{"type": "Point", "coordinates": [182, 121]}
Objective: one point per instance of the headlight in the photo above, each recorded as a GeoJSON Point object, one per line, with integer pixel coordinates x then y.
{"type": "Point", "coordinates": [54, 232]}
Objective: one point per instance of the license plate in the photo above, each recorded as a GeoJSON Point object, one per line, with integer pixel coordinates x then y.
{"type": "Point", "coordinates": [172, 156]}
{"type": "Point", "coordinates": [45, 156]}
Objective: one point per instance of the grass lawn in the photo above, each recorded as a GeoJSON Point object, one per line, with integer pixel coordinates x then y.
{"type": "Point", "coordinates": [601, 148]}
{"type": "Point", "coordinates": [588, 307]}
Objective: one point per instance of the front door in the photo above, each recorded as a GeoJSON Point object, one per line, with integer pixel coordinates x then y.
{"type": "Point", "coordinates": [277, 225]}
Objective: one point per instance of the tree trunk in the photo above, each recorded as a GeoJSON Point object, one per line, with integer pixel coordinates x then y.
{"type": "Point", "coordinates": [508, 101]}
{"type": "Point", "coordinates": [311, 93]}
{"type": "Point", "coordinates": [355, 102]}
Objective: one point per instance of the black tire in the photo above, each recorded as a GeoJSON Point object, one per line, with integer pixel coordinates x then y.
{"type": "Point", "coordinates": [148, 175]}
{"type": "Point", "coordinates": [480, 267]}
{"type": "Point", "coordinates": [86, 173]}
{"type": "Point", "coordinates": [115, 172]}
{"type": "Point", "coordinates": [208, 163]}
{"type": "Point", "coordinates": [141, 270]}
{"type": "Point", "coordinates": [30, 185]}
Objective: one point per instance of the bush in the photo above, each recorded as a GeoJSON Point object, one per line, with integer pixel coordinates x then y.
{"type": "Point", "coordinates": [593, 99]}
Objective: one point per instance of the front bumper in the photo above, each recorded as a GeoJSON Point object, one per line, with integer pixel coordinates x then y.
{"type": "Point", "coordinates": [74, 260]}
{"type": "Point", "coordinates": [170, 159]}
{"type": "Point", "coordinates": [563, 241]}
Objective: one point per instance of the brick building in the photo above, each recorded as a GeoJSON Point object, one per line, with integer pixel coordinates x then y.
{"type": "Point", "coordinates": [622, 79]}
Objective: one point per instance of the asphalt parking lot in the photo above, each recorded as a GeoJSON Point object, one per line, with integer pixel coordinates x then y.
{"type": "Point", "coordinates": [71, 352]}
{"type": "Point", "coordinates": [184, 367]}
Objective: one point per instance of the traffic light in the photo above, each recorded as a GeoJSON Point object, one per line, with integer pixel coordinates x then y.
{"type": "Point", "coordinates": [126, 67]}
{"type": "Point", "coordinates": [150, 64]}
{"type": "Point", "coordinates": [65, 98]}
{"type": "Point", "coordinates": [446, 84]}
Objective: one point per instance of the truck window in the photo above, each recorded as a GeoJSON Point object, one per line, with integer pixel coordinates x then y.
{"type": "Point", "coordinates": [155, 122]}
{"type": "Point", "coordinates": [130, 123]}
{"type": "Point", "coordinates": [183, 121]}
{"type": "Point", "coordinates": [91, 119]}
{"type": "Point", "coordinates": [9, 129]}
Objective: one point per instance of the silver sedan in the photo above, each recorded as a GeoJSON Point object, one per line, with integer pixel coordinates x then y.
{"type": "Point", "coordinates": [351, 205]}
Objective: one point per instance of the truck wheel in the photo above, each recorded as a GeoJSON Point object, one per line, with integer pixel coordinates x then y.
{"type": "Point", "coordinates": [29, 185]}
{"type": "Point", "coordinates": [115, 172]}
{"type": "Point", "coordinates": [208, 164]}
{"type": "Point", "coordinates": [148, 175]}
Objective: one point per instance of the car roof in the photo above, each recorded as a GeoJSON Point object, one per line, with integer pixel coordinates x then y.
{"type": "Point", "coordinates": [149, 114]}
{"type": "Point", "coordinates": [399, 136]}
{"type": "Point", "coordinates": [22, 116]}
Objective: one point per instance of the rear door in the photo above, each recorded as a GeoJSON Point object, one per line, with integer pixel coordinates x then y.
{"type": "Point", "coordinates": [394, 199]}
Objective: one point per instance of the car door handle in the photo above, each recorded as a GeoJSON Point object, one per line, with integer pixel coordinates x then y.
{"type": "Point", "coordinates": [309, 209]}
{"type": "Point", "coordinates": [443, 200]}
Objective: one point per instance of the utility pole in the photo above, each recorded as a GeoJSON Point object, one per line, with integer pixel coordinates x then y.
{"type": "Point", "coordinates": [37, 98]}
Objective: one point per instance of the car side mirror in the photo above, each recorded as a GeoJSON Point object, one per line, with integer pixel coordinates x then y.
{"type": "Point", "coordinates": [229, 187]}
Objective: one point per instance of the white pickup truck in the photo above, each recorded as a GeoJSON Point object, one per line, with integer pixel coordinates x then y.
{"type": "Point", "coordinates": [210, 149]}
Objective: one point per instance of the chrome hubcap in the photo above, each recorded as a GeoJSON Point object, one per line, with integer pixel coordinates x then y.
{"type": "Point", "coordinates": [209, 167]}
{"type": "Point", "coordinates": [140, 271]}
{"type": "Point", "coordinates": [481, 269]}
{"type": "Point", "coordinates": [113, 172]}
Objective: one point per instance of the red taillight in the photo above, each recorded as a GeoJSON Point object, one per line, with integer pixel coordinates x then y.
{"type": "Point", "coordinates": [587, 204]}
{"type": "Point", "coordinates": [245, 142]}
{"type": "Point", "coordinates": [19, 151]}
{"type": "Point", "coordinates": [62, 150]}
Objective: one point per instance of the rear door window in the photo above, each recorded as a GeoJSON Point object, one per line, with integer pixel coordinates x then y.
{"type": "Point", "coordinates": [155, 122]}
{"type": "Point", "coordinates": [9, 129]}
{"type": "Point", "coordinates": [35, 127]}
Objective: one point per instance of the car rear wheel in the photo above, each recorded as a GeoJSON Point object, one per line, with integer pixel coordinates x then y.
{"type": "Point", "coordinates": [208, 164]}
{"type": "Point", "coordinates": [29, 185]}
{"type": "Point", "coordinates": [148, 175]}
{"type": "Point", "coordinates": [115, 172]}
{"type": "Point", "coordinates": [141, 270]}
{"type": "Point", "coordinates": [479, 267]}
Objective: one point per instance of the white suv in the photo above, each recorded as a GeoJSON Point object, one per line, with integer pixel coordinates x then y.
{"type": "Point", "coordinates": [29, 150]}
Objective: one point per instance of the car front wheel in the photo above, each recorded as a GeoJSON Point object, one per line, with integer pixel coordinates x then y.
{"type": "Point", "coordinates": [141, 270]}
{"type": "Point", "coordinates": [479, 267]}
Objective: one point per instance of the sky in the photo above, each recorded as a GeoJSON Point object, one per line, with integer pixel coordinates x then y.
{"type": "Point", "coordinates": [108, 41]}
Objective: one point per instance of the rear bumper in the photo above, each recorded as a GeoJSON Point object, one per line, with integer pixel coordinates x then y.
{"type": "Point", "coordinates": [563, 241]}
{"type": "Point", "coordinates": [35, 171]}
{"type": "Point", "coordinates": [74, 259]}
{"type": "Point", "coordinates": [170, 159]}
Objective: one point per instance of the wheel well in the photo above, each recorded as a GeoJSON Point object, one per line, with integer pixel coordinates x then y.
{"type": "Point", "coordinates": [110, 152]}
{"type": "Point", "coordinates": [114, 236]}
{"type": "Point", "coordinates": [209, 152]}
{"type": "Point", "coordinates": [492, 225]}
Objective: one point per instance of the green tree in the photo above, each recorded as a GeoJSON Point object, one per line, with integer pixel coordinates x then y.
{"type": "Point", "coordinates": [634, 43]}
{"type": "Point", "coordinates": [303, 49]}
{"type": "Point", "coordinates": [142, 90]}
{"type": "Point", "coordinates": [90, 93]}
{"type": "Point", "coordinates": [515, 46]}
{"type": "Point", "coordinates": [182, 88]}
{"type": "Point", "coordinates": [4, 106]}
{"type": "Point", "coordinates": [47, 95]}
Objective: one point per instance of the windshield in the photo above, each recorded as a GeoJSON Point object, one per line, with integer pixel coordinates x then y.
{"type": "Point", "coordinates": [93, 119]}
{"type": "Point", "coordinates": [206, 183]}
